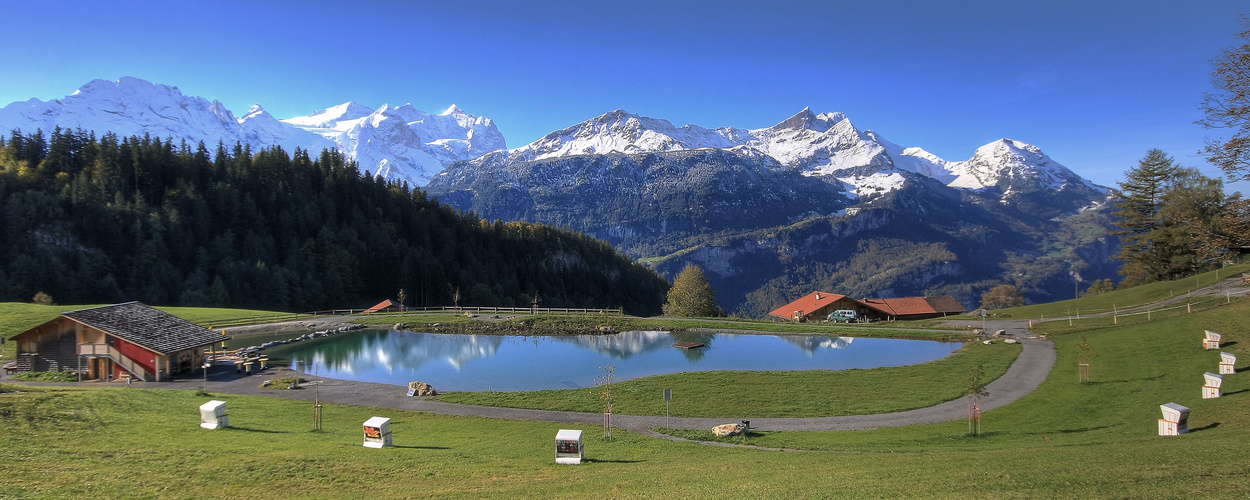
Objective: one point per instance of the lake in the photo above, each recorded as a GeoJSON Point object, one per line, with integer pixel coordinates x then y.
{"type": "Point", "coordinates": [455, 362]}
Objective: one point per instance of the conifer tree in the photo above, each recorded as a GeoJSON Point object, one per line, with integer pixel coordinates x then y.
{"type": "Point", "coordinates": [1143, 245]}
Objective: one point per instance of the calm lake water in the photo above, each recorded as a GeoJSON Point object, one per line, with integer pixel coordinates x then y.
{"type": "Point", "coordinates": [512, 363]}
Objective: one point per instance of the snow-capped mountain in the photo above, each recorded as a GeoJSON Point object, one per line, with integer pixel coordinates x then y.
{"type": "Point", "coordinates": [399, 143]}
{"type": "Point", "coordinates": [812, 202]}
{"type": "Point", "coordinates": [1012, 166]}
{"type": "Point", "coordinates": [131, 106]}
{"type": "Point", "coordinates": [403, 142]}
{"type": "Point", "coordinates": [765, 212]}
{"type": "Point", "coordinates": [825, 145]}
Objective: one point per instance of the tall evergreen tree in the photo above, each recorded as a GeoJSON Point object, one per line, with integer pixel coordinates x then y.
{"type": "Point", "coordinates": [1144, 248]}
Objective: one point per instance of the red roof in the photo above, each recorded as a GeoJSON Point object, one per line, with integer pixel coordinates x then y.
{"type": "Point", "coordinates": [916, 306]}
{"type": "Point", "coordinates": [382, 306]}
{"type": "Point", "coordinates": [808, 304]}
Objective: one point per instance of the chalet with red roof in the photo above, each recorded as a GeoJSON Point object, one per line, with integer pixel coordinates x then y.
{"type": "Point", "coordinates": [815, 306]}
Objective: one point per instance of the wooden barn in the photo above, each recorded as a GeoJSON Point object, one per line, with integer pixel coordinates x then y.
{"type": "Point", "coordinates": [816, 306]}
{"type": "Point", "coordinates": [130, 339]}
{"type": "Point", "coordinates": [907, 308]}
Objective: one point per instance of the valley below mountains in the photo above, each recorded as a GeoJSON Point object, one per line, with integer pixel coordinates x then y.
{"type": "Point", "coordinates": [771, 214]}
{"type": "Point", "coordinates": [809, 204]}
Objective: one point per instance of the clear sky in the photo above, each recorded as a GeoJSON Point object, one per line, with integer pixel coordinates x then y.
{"type": "Point", "coordinates": [1095, 84]}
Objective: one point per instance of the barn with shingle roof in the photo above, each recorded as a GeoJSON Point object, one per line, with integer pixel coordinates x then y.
{"type": "Point", "coordinates": [131, 339]}
{"type": "Point", "coordinates": [816, 306]}
{"type": "Point", "coordinates": [915, 307]}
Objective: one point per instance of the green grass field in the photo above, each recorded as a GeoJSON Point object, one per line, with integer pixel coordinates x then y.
{"type": "Point", "coordinates": [812, 393]}
{"type": "Point", "coordinates": [1120, 300]}
{"type": "Point", "coordinates": [1065, 440]}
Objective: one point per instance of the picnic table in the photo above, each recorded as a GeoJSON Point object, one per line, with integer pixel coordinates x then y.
{"type": "Point", "coordinates": [10, 367]}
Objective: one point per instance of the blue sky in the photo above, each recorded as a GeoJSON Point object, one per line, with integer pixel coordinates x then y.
{"type": "Point", "coordinates": [1094, 84]}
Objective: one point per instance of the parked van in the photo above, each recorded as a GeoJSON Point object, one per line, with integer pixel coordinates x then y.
{"type": "Point", "coordinates": [844, 316]}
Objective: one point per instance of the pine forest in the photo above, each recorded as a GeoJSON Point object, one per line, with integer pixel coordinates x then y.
{"type": "Point", "coordinates": [87, 220]}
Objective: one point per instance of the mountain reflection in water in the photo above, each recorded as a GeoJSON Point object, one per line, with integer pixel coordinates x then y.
{"type": "Point", "coordinates": [452, 362]}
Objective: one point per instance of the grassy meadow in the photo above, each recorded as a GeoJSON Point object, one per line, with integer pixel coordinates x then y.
{"type": "Point", "coordinates": [1067, 439]}
{"type": "Point", "coordinates": [1129, 298]}
{"type": "Point", "coordinates": [809, 393]}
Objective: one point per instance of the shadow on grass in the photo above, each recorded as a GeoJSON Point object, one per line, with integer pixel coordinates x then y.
{"type": "Point", "coordinates": [245, 429]}
{"type": "Point", "coordinates": [1228, 344]}
{"type": "Point", "coordinates": [1236, 392]}
{"type": "Point", "coordinates": [1126, 380]}
{"type": "Point", "coordinates": [602, 461]}
{"type": "Point", "coordinates": [421, 447]}
{"type": "Point", "coordinates": [1205, 427]}
{"type": "Point", "coordinates": [1083, 429]}
{"type": "Point", "coordinates": [983, 434]}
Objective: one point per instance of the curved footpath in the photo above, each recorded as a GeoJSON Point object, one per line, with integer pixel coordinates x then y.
{"type": "Point", "coordinates": [1022, 378]}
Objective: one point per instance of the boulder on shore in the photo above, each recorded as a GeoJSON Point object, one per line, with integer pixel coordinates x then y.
{"type": "Point", "coordinates": [422, 389]}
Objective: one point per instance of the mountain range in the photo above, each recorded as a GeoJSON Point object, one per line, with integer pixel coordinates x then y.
{"type": "Point", "coordinates": [810, 203]}
{"type": "Point", "coordinates": [770, 213]}
{"type": "Point", "coordinates": [397, 143]}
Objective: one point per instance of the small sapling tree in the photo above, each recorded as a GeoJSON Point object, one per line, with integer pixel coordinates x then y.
{"type": "Point", "coordinates": [604, 384]}
{"type": "Point", "coordinates": [1086, 352]}
{"type": "Point", "coordinates": [975, 388]}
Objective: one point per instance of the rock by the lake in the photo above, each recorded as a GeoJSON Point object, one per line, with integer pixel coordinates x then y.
{"type": "Point", "coordinates": [729, 430]}
{"type": "Point", "coordinates": [422, 388]}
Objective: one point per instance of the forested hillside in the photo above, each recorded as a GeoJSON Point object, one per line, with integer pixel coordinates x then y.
{"type": "Point", "coordinates": [89, 220]}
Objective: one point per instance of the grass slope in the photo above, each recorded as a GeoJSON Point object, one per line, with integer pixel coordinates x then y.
{"type": "Point", "coordinates": [1120, 300]}
{"type": "Point", "coordinates": [1065, 440]}
{"type": "Point", "coordinates": [808, 393]}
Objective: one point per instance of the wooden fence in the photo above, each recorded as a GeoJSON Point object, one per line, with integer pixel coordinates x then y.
{"type": "Point", "coordinates": [275, 318]}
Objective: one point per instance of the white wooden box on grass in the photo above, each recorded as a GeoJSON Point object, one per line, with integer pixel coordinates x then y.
{"type": "Point", "coordinates": [1228, 363]}
{"type": "Point", "coordinates": [1211, 341]}
{"type": "Point", "coordinates": [1175, 420]}
{"type": "Point", "coordinates": [1212, 387]}
{"type": "Point", "coordinates": [213, 415]}
{"type": "Point", "coordinates": [569, 449]}
{"type": "Point", "coordinates": [378, 432]}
